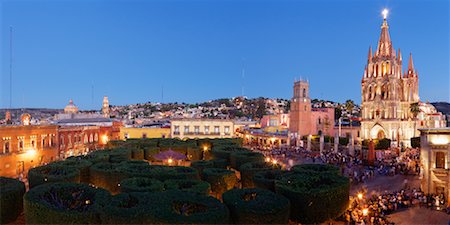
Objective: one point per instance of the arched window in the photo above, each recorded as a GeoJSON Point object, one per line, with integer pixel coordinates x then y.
{"type": "Point", "coordinates": [96, 137]}
{"type": "Point", "coordinates": [91, 138]}
{"type": "Point", "coordinates": [304, 92]}
{"type": "Point", "coordinates": [86, 140]}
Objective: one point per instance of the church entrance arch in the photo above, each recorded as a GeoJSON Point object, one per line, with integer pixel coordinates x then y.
{"type": "Point", "coordinates": [377, 132]}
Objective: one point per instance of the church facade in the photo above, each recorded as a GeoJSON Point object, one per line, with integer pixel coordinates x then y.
{"type": "Point", "coordinates": [389, 96]}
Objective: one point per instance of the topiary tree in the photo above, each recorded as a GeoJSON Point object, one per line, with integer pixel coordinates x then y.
{"type": "Point", "coordinates": [141, 184]}
{"type": "Point", "coordinates": [78, 162]}
{"type": "Point", "coordinates": [178, 207]}
{"type": "Point", "coordinates": [196, 186]}
{"type": "Point", "coordinates": [315, 196]}
{"type": "Point", "coordinates": [194, 153]}
{"type": "Point", "coordinates": [118, 155]}
{"type": "Point", "coordinates": [266, 179]}
{"type": "Point", "coordinates": [256, 206]}
{"type": "Point", "coordinates": [137, 153]}
{"type": "Point", "coordinates": [52, 173]}
{"type": "Point", "coordinates": [149, 152]}
{"type": "Point", "coordinates": [220, 163]}
{"type": "Point", "coordinates": [107, 176]}
{"type": "Point", "coordinates": [127, 208]}
{"type": "Point", "coordinates": [224, 151]}
{"type": "Point", "coordinates": [316, 168]}
{"type": "Point", "coordinates": [248, 171]}
{"type": "Point", "coordinates": [63, 203]}
{"type": "Point", "coordinates": [239, 158]}
{"type": "Point", "coordinates": [98, 156]}
{"type": "Point", "coordinates": [11, 199]}
{"type": "Point", "coordinates": [201, 165]}
{"type": "Point", "coordinates": [221, 180]}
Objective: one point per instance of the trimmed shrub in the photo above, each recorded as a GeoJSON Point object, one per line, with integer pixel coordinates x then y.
{"type": "Point", "coordinates": [177, 207]}
{"type": "Point", "coordinates": [266, 179]}
{"type": "Point", "coordinates": [183, 172]}
{"type": "Point", "coordinates": [221, 180]}
{"type": "Point", "coordinates": [137, 153]}
{"type": "Point", "coordinates": [77, 162]}
{"type": "Point", "coordinates": [196, 186]}
{"type": "Point", "coordinates": [224, 151]}
{"type": "Point", "coordinates": [127, 208]}
{"type": "Point", "coordinates": [141, 184]}
{"type": "Point", "coordinates": [201, 165]}
{"type": "Point", "coordinates": [194, 153]}
{"type": "Point", "coordinates": [220, 163]}
{"type": "Point", "coordinates": [248, 171]}
{"type": "Point", "coordinates": [256, 206]}
{"type": "Point", "coordinates": [52, 173]}
{"type": "Point", "coordinates": [150, 152]}
{"type": "Point", "coordinates": [118, 155]}
{"type": "Point", "coordinates": [63, 203]}
{"type": "Point", "coordinates": [315, 197]}
{"type": "Point", "coordinates": [98, 156]}
{"type": "Point", "coordinates": [11, 199]}
{"type": "Point", "coordinates": [239, 158]}
{"type": "Point", "coordinates": [316, 168]}
{"type": "Point", "coordinates": [107, 176]}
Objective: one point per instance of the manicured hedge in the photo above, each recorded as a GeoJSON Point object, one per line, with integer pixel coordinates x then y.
{"type": "Point", "coordinates": [177, 207]}
{"type": "Point", "coordinates": [63, 203]}
{"type": "Point", "coordinates": [201, 165]}
{"type": "Point", "coordinates": [256, 206]}
{"type": "Point", "coordinates": [241, 157]}
{"type": "Point", "coordinates": [194, 153]}
{"type": "Point", "coordinates": [316, 168]}
{"type": "Point", "coordinates": [118, 155]}
{"type": "Point", "coordinates": [196, 186]}
{"type": "Point", "coordinates": [98, 156]}
{"type": "Point", "coordinates": [150, 152]}
{"type": "Point", "coordinates": [11, 199]}
{"type": "Point", "coordinates": [315, 197]}
{"type": "Point", "coordinates": [137, 153]}
{"type": "Point", "coordinates": [78, 162]}
{"type": "Point", "coordinates": [221, 180]}
{"type": "Point", "coordinates": [220, 163]}
{"type": "Point", "coordinates": [107, 176]}
{"type": "Point", "coordinates": [128, 208]}
{"type": "Point", "coordinates": [52, 173]}
{"type": "Point", "coordinates": [248, 171]}
{"type": "Point", "coordinates": [266, 179]}
{"type": "Point", "coordinates": [141, 184]}
{"type": "Point", "coordinates": [224, 151]}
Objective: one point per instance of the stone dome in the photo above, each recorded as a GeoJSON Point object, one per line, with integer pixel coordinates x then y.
{"type": "Point", "coordinates": [71, 108]}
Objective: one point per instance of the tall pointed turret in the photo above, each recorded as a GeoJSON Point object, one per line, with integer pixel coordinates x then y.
{"type": "Point", "coordinates": [411, 71]}
{"type": "Point", "coordinates": [399, 56]}
{"type": "Point", "coordinates": [384, 44]}
{"type": "Point", "coordinates": [369, 57]}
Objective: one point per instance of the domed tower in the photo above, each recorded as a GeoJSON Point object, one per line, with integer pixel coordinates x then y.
{"type": "Point", "coordinates": [387, 93]}
{"type": "Point", "coordinates": [105, 107]}
{"type": "Point", "coordinates": [71, 108]}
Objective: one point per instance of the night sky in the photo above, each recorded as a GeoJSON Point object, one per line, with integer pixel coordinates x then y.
{"type": "Point", "coordinates": [193, 51]}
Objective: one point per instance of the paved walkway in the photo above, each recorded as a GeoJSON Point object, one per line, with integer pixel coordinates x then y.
{"type": "Point", "coordinates": [419, 216]}
{"type": "Point", "coordinates": [381, 183]}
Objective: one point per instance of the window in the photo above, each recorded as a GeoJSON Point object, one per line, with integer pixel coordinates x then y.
{"type": "Point", "coordinates": [61, 142]}
{"type": "Point", "coordinates": [43, 141]}
{"type": "Point", "coordinates": [96, 137]}
{"type": "Point", "coordinates": [206, 129]}
{"type": "Point", "coordinates": [91, 138]}
{"type": "Point", "coordinates": [320, 122]}
{"type": "Point", "coordinates": [20, 144]}
{"type": "Point", "coordinates": [33, 144]}
{"type": "Point", "coordinates": [6, 147]}
{"type": "Point", "coordinates": [126, 136]}
{"type": "Point", "coordinates": [227, 129]}
{"type": "Point", "coordinates": [216, 130]}
{"type": "Point", "coordinates": [86, 139]}
{"type": "Point", "coordinates": [196, 129]}
{"type": "Point", "coordinates": [186, 129]}
{"type": "Point", "coordinates": [440, 160]}
{"type": "Point", "coordinates": [176, 129]}
{"type": "Point", "coordinates": [144, 135]}
{"type": "Point", "coordinates": [304, 92]}
{"type": "Point", "coordinates": [52, 140]}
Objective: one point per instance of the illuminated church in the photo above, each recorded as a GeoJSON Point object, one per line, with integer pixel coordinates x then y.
{"type": "Point", "coordinates": [387, 94]}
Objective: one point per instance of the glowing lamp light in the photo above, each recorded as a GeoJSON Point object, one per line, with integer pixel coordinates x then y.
{"type": "Point", "coordinates": [32, 152]}
{"type": "Point", "coordinates": [88, 202]}
{"type": "Point", "coordinates": [360, 196]}
{"type": "Point", "coordinates": [205, 148]}
{"type": "Point", "coordinates": [385, 13]}
{"type": "Point", "coordinates": [365, 212]}
{"type": "Point", "coordinates": [274, 161]}
{"type": "Point", "coordinates": [105, 139]}
{"type": "Point", "coordinates": [267, 159]}
{"type": "Point", "coordinates": [170, 160]}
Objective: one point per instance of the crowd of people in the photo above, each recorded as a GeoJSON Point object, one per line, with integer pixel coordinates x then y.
{"type": "Point", "coordinates": [376, 208]}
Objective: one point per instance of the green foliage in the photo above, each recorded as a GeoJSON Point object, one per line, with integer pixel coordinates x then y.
{"type": "Point", "coordinates": [141, 184]}
{"type": "Point", "coordinates": [150, 152]}
{"type": "Point", "coordinates": [315, 196]}
{"type": "Point", "coordinates": [196, 186]}
{"type": "Point", "coordinates": [98, 156]}
{"type": "Point", "coordinates": [224, 151]}
{"type": "Point", "coordinates": [221, 180]}
{"type": "Point", "coordinates": [201, 165]}
{"type": "Point", "coordinates": [383, 144]}
{"type": "Point", "coordinates": [127, 208]}
{"type": "Point", "coordinates": [316, 168]}
{"type": "Point", "coordinates": [266, 179]}
{"type": "Point", "coordinates": [194, 153]}
{"type": "Point", "coordinates": [52, 173]}
{"type": "Point", "coordinates": [11, 199]}
{"type": "Point", "coordinates": [118, 155]}
{"type": "Point", "coordinates": [344, 140]}
{"type": "Point", "coordinates": [220, 163]}
{"type": "Point", "coordinates": [63, 203]}
{"type": "Point", "coordinates": [241, 157]}
{"type": "Point", "coordinates": [248, 171]}
{"type": "Point", "coordinates": [78, 162]}
{"type": "Point", "coordinates": [107, 176]}
{"type": "Point", "coordinates": [137, 153]}
{"type": "Point", "coordinates": [415, 142]}
{"type": "Point", "coordinates": [177, 207]}
{"type": "Point", "coordinates": [257, 206]}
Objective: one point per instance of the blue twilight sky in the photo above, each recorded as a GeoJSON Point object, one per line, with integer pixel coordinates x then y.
{"type": "Point", "coordinates": [196, 50]}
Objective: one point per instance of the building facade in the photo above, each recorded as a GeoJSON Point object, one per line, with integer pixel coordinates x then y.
{"type": "Point", "coordinates": [435, 161]}
{"type": "Point", "coordinates": [144, 132]}
{"type": "Point", "coordinates": [202, 128]}
{"type": "Point", "coordinates": [388, 94]}
{"type": "Point", "coordinates": [25, 146]}
{"type": "Point", "coordinates": [305, 120]}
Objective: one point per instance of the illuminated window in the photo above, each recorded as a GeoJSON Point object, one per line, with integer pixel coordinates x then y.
{"type": "Point", "coordinates": [6, 147]}
{"type": "Point", "coordinates": [186, 129]}
{"type": "Point", "coordinates": [86, 139]}
{"type": "Point", "coordinates": [91, 138]}
{"type": "Point", "coordinates": [96, 137]}
{"type": "Point", "coordinates": [206, 129]}
{"type": "Point", "coordinates": [227, 129]}
{"type": "Point", "coordinates": [196, 129]}
{"type": "Point", "coordinates": [216, 130]}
